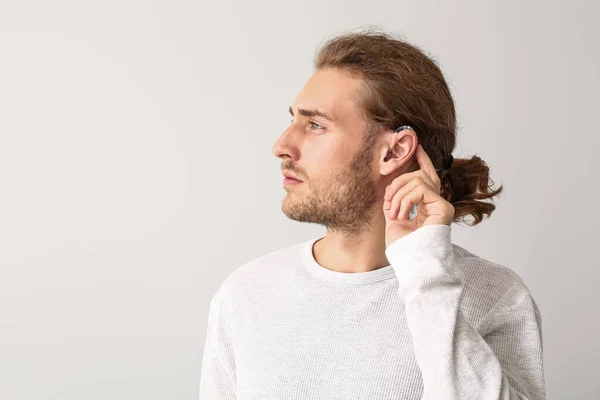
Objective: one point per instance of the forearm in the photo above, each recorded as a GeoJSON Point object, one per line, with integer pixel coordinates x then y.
{"type": "Point", "coordinates": [456, 362]}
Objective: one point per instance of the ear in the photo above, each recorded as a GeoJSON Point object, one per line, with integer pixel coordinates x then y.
{"type": "Point", "coordinates": [403, 146]}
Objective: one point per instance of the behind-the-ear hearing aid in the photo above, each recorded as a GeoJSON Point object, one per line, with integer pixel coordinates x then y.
{"type": "Point", "coordinates": [399, 129]}
{"type": "Point", "coordinates": [414, 208]}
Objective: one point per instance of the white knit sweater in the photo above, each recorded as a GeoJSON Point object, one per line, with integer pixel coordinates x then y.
{"type": "Point", "coordinates": [438, 323]}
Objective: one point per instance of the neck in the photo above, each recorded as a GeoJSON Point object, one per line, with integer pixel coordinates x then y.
{"type": "Point", "coordinates": [353, 252]}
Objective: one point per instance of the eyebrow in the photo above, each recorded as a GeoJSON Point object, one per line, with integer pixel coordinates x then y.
{"type": "Point", "coordinates": [311, 113]}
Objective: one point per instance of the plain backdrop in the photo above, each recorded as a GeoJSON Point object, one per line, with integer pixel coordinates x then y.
{"type": "Point", "coordinates": [136, 171]}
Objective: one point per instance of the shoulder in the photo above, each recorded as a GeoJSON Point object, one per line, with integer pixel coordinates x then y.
{"type": "Point", "coordinates": [489, 287]}
{"type": "Point", "coordinates": [478, 269]}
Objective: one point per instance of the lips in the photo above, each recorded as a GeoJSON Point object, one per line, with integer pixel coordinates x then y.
{"type": "Point", "coordinates": [291, 176]}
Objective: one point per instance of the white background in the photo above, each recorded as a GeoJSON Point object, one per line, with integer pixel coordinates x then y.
{"type": "Point", "coordinates": [136, 172]}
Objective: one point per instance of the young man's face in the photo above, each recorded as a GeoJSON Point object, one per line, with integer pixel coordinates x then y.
{"type": "Point", "coordinates": [328, 155]}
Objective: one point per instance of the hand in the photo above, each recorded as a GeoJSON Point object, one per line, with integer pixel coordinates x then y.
{"type": "Point", "coordinates": [420, 187]}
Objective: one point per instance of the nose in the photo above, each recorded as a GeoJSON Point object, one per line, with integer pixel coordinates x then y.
{"type": "Point", "coordinates": [284, 147]}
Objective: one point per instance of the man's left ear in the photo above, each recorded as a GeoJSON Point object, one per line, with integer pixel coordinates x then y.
{"type": "Point", "coordinates": [402, 147]}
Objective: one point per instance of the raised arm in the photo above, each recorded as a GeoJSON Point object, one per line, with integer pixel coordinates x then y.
{"type": "Point", "coordinates": [456, 362]}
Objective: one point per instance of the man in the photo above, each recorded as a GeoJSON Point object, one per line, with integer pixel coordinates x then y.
{"type": "Point", "coordinates": [384, 306]}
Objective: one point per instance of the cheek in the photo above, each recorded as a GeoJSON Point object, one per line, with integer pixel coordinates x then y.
{"type": "Point", "coordinates": [323, 159]}
{"type": "Point", "coordinates": [330, 159]}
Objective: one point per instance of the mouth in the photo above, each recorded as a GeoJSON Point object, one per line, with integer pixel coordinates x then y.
{"type": "Point", "coordinates": [290, 177]}
{"type": "Point", "coordinates": [291, 181]}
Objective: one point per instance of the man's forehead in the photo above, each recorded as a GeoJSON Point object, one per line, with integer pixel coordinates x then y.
{"type": "Point", "coordinates": [329, 91]}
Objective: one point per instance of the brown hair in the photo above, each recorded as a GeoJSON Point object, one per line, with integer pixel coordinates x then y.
{"type": "Point", "coordinates": [402, 85]}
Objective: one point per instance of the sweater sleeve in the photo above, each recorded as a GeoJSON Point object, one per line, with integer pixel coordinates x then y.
{"type": "Point", "coordinates": [456, 362]}
{"type": "Point", "coordinates": [217, 376]}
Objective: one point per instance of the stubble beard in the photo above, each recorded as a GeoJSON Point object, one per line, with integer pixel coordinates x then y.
{"type": "Point", "coordinates": [343, 201]}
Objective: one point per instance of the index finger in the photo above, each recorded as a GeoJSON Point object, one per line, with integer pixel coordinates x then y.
{"type": "Point", "coordinates": [425, 163]}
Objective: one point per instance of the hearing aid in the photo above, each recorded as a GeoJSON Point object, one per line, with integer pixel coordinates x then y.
{"type": "Point", "coordinates": [399, 129]}
{"type": "Point", "coordinates": [414, 208]}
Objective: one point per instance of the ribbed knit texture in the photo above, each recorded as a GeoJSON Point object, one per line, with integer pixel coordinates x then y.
{"type": "Point", "coordinates": [438, 323]}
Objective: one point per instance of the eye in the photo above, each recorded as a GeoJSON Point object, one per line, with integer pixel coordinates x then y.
{"type": "Point", "coordinates": [316, 126]}
{"type": "Point", "coordinates": [313, 125]}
